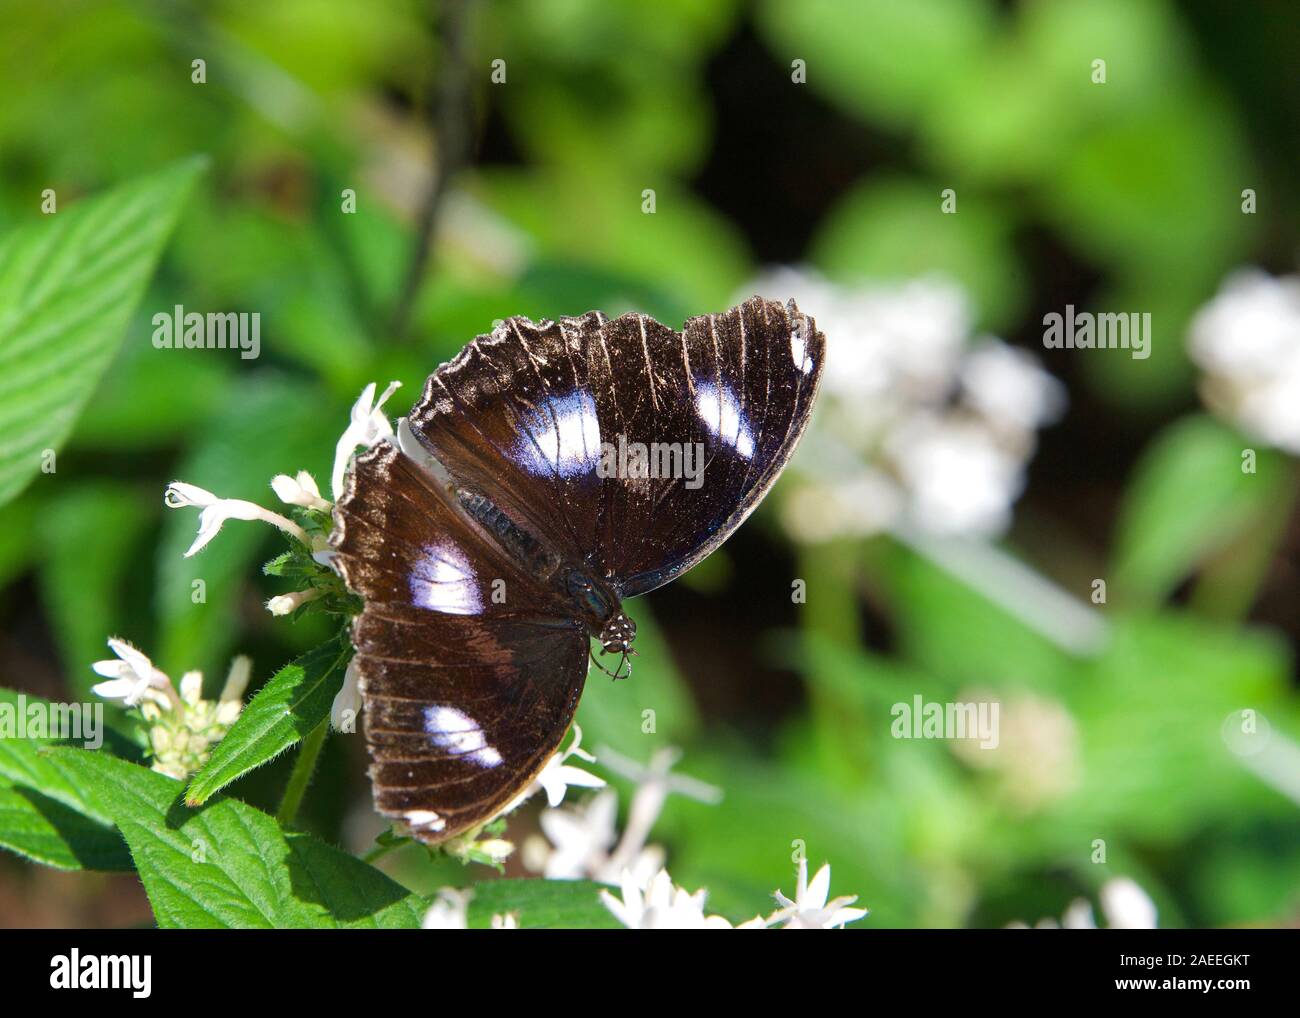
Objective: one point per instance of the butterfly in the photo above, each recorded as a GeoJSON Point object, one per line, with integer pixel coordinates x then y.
{"type": "Point", "coordinates": [548, 473]}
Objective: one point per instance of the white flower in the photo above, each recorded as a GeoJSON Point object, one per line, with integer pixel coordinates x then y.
{"type": "Point", "coordinates": [661, 906]}
{"type": "Point", "coordinates": [368, 425]}
{"type": "Point", "coordinates": [1250, 327]}
{"type": "Point", "coordinates": [300, 490]}
{"type": "Point", "coordinates": [1127, 906]}
{"type": "Point", "coordinates": [231, 702]}
{"type": "Point", "coordinates": [583, 840]}
{"type": "Point", "coordinates": [582, 837]}
{"type": "Point", "coordinates": [960, 479]}
{"type": "Point", "coordinates": [132, 678]}
{"type": "Point", "coordinates": [241, 670]}
{"type": "Point", "coordinates": [918, 423]}
{"type": "Point", "coordinates": [183, 727]}
{"type": "Point", "coordinates": [1247, 339]}
{"type": "Point", "coordinates": [346, 707]}
{"type": "Point", "coordinates": [888, 338]}
{"type": "Point", "coordinates": [217, 510]}
{"type": "Point", "coordinates": [1006, 387]}
{"type": "Point", "coordinates": [449, 911]}
{"type": "Point", "coordinates": [810, 910]}
{"type": "Point", "coordinates": [654, 783]}
{"type": "Point", "coordinates": [496, 849]}
{"type": "Point", "coordinates": [286, 604]}
{"type": "Point", "coordinates": [508, 921]}
{"type": "Point", "coordinates": [868, 501]}
{"type": "Point", "coordinates": [1078, 916]}
{"type": "Point", "coordinates": [557, 776]}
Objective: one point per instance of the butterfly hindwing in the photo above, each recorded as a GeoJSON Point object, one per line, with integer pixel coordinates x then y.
{"type": "Point", "coordinates": [469, 685]}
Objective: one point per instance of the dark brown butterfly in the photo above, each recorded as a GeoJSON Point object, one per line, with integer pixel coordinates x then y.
{"type": "Point", "coordinates": [508, 521]}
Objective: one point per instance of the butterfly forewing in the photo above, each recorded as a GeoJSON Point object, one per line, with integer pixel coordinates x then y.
{"type": "Point", "coordinates": [470, 673]}
{"type": "Point", "coordinates": [537, 417]}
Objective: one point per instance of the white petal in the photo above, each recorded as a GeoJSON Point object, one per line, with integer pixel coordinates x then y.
{"type": "Point", "coordinates": [618, 908]}
{"type": "Point", "coordinates": [348, 699]}
{"type": "Point", "coordinates": [1078, 916]}
{"type": "Point", "coordinates": [818, 889]}
{"type": "Point", "coordinates": [846, 915]}
{"type": "Point", "coordinates": [289, 491]}
{"type": "Point", "coordinates": [191, 687]}
{"type": "Point", "coordinates": [116, 689]}
{"type": "Point", "coordinates": [137, 659]}
{"type": "Point", "coordinates": [1127, 906]}
{"type": "Point", "coordinates": [112, 669]}
{"type": "Point", "coordinates": [241, 670]}
{"type": "Point", "coordinates": [178, 494]}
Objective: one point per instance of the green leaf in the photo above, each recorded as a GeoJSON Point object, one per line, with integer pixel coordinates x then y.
{"type": "Point", "coordinates": [291, 705]}
{"type": "Point", "coordinates": [18, 545]}
{"type": "Point", "coordinates": [541, 904]}
{"type": "Point", "coordinates": [82, 583]}
{"type": "Point", "coordinates": [229, 865]}
{"type": "Point", "coordinates": [613, 713]}
{"type": "Point", "coordinates": [68, 285]}
{"type": "Point", "coordinates": [43, 814]}
{"type": "Point", "coordinates": [1151, 714]}
{"type": "Point", "coordinates": [1188, 498]}
{"type": "Point", "coordinates": [887, 61]}
{"type": "Point", "coordinates": [889, 229]}
{"type": "Point", "coordinates": [48, 832]}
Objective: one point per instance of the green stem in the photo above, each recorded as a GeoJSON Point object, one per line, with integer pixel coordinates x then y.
{"type": "Point", "coordinates": [1228, 587]}
{"type": "Point", "coordinates": [301, 776]}
{"type": "Point", "coordinates": [379, 851]}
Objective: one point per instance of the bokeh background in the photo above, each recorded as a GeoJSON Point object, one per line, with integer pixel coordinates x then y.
{"type": "Point", "coordinates": [948, 520]}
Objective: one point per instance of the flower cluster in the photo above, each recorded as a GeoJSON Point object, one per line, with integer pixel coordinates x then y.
{"type": "Point", "coordinates": [583, 843]}
{"type": "Point", "coordinates": [917, 425]}
{"type": "Point", "coordinates": [183, 727]}
{"type": "Point", "coordinates": [1037, 760]}
{"type": "Point", "coordinates": [1125, 905]}
{"type": "Point", "coordinates": [661, 905]}
{"type": "Point", "coordinates": [450, 911]}
{"type": "Point", "coordinates": [1247, 341]}
{"type": "Point", "coordinates": [310, 557]}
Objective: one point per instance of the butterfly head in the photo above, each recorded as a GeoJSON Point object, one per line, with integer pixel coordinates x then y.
{"type": "Point", "coordinates": [616, 638]}
{"type": "Point", "coordinates": [618, 634]}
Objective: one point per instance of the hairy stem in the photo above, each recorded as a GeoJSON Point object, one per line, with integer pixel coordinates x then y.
{"type": "Point", "coordinates": [303, 768]}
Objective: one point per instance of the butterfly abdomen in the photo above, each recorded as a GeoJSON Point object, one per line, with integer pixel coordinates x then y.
{"type": "Point", "coordinates": [520, 545]}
